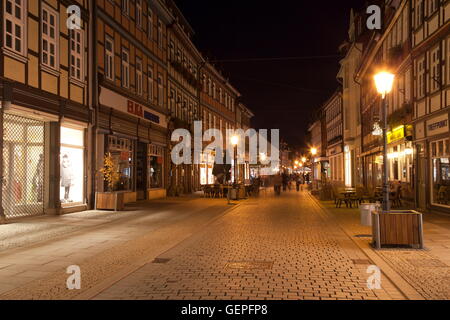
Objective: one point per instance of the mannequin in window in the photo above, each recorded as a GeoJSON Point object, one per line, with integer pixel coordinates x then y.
{"type": "Point", "coordinates": [38, 179]}
{"type": "Point", "coordinates": [66, 177]}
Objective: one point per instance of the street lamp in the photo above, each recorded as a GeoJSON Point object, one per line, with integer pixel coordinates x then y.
{"type": "Point", "coordinates": [304, 159]}
{"type": "Point", "coordinates": [234, 142]}
{"type": "Point", "coordinates": [313, 151]}
{"type": "Point", "coordinates": [384, 81]}
{"type": "Point", "coordinates": [296, 162]}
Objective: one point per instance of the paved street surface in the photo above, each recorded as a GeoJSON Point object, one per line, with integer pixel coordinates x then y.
{"type": "Point", "coordinates": [269, 248]}
{"type": "Point", "coordinates": [288, 247]}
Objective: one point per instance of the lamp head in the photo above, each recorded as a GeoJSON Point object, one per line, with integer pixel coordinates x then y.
{"type": "Point", "coordinates": [384, 81]}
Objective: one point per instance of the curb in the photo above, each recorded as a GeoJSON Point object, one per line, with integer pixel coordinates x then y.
{"type": "Point", "coordinates": [397, 280]}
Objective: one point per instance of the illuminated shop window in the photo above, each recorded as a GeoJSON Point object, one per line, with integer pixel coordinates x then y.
{"type": "Point", "coordinates": [72, 166]}
{"type": "Point", "coordinates": [440, 172]}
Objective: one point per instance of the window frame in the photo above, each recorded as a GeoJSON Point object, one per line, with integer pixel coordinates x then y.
{"type": "Point", "coordinates": [160, 34]}
{"type": "Point", "coordinates": [160, 81]}
{"type": "Point", "coordinates": [125, 6]}
{"type": "Point", "coordinates": [150, 83]}
{"type": "Point", "coordinates": [139, 77]}
{"type": "Point", "coordinates": [49, 39]}
{"type": "Point", "coordinates": [75, 55]}
{"type": "Point", "coordinates": [150, 23]}
{"type": "Point", "coordinates": [125, 65]}
{"type": "Point", "coordinates": [139, 14]}
{"type": "Point", "coordinates": [109, 57]}
{"type": "Point", "coordinates": [14, 22]}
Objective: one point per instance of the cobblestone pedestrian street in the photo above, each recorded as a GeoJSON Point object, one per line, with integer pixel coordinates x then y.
{"type": "Point", "coordinates": [267, 248]}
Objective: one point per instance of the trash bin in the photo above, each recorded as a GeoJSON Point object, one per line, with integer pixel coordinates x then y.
{"type": "Point", "coordinates": [234, 194]}
{"type": "Point", "coordinates": [366, 213]}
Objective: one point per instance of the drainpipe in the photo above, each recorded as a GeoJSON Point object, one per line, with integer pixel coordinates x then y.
{"type": "Point", "coordinates": [94, 94]}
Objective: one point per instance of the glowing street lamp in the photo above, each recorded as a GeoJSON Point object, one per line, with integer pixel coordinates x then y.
{"type": "Point", "coordinates": [314, 151]}
{"type": "Point", "coordinates": [235, 141]}
{"type": "Point", "coordinates": [384, 81]}
{"type": "Point", "coordinates": [296, 162]}
{"type": "Point", "coordinates": [304, 159]}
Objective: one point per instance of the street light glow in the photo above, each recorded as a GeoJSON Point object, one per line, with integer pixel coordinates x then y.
{"type": "Point", "coordinates": [384, 81]}
{"type": "Point", "coordinates": [313, 151]}
{"type": "Point", "coordinates": [304, 159]}
{"type": "Point", "coordinates": [234, 140]}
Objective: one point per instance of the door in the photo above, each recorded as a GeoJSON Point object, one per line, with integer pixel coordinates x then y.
{"type": "Point", "coordinates": [421, 177]}
{"type": "Point", "coordinates": [141, 170]}
{"type": "Point", "coordinates": [24, 167]}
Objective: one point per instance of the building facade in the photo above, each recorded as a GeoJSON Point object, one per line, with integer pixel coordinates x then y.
{"type": "Point", "coordinates": [335, 143]}
{"type": "Point", "coordinates": [430, 35]}
{"type": "Point", "coordinates": [46, 112]}
{"type": "Point", "coordinates": [132, 110]}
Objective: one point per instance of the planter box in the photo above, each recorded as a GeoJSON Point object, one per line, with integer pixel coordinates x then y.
{"type": "Point", "coordinates": [397, 228]}
{"type": "Point", "coordinates": [110, 201]}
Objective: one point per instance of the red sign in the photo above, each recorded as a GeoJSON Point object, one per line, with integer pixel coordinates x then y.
{"type": "Point", "coordinates": [135, 109]}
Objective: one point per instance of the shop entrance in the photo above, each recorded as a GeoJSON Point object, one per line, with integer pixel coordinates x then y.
{"type": "Point", "coordinates": [141, 174]}
{"type": "Point", "coordinates": [23, 166]}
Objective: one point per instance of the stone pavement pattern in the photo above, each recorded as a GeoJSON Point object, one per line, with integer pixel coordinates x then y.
{"type": "Point", "coordinates": [35, 253]}
{"type": "Point", "coordinates": [428, 271]}
{"type": "Point", "coordinates": [268, 248]}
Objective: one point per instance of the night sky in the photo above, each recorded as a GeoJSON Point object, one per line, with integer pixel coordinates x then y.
{"type": "Point", "coordinates": [283, 93]}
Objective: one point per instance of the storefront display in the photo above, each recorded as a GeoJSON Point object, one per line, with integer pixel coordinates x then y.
{"type": "Point", "coordinates": [206, 169]}
{"type": "Point", "coordinates": [155, 167]}
{"type": "Point", "coordinates": [23, 166]}
{"type": "Point", "coordinates": [440, 172]}
{"type": "Point", "coordinates": [121, 150]}
{"type": "Point", "coordinates": [72, 166]}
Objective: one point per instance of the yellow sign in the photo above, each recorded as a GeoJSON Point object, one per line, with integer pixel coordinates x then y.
{"type": "Point", "coordinates": [398, 133]}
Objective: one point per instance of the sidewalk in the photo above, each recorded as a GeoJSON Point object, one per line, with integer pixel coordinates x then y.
{"type": "Point", "coordinates": [427, 271]}
{"type": "Point", "coordinates": [35, 252]}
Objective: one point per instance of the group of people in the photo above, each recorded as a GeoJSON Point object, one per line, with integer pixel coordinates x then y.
{"type": "Point", "coordinates": [286, 180]}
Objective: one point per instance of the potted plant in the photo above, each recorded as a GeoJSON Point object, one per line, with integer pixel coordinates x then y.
{"type": "Point", "coordinates": [111, 199]}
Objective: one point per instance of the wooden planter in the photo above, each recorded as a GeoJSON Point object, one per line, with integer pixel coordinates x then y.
{"type": "Point", "coordinates": [109, 201]}
{"type": "Point", "coordinates": [397, 228]}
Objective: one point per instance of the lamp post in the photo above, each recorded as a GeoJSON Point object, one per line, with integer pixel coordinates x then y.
{"type": "Point", "coordinates": [234, 142]}
{"type": "Point", "coordinates": [384, 81]}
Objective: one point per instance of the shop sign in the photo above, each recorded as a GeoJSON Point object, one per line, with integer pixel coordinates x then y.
{"type": "Point", "coordinates": [116, 101]}
{"type": "Point", "coordinates": [437, 125]}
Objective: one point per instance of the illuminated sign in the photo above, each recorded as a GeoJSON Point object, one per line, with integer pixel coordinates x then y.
{"type": "Point", "coordinates": [398, 133]}
{"type": "Point", "coordinates": [116, 101]}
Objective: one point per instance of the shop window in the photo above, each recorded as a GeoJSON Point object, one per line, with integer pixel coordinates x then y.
{"type": "Point", "coordinates": [155, 167]}
{"type": "Point", "coordinates": [72, 166]}
{"type": "Point", "coordinates": [121, 150]}
{"type": "Point", "coordinates": [440, 173]}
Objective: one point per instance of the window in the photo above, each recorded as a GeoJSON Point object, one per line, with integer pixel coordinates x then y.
{"type": "Point", "coordinates": [421, 78]}
{"type": "Point", "coordinates": [440, 172]}
{"type": "Point", "coordinates": [150, 24]}
{"type": "Point", "coordinates": [160, 91]}
{"type": "Point", "coordinates": [126, 7]}
{"type": "Point", "coordinates": [448, 60]}
{"type": "Point", "coordinates": [125, 68]}
{"type": "Point", "coordinates": [139, 13]}
{"type": "Point", "coordinates": [15, 25]}
{"type": "Point", "coordinates": [419, 12]}
{"type": "Point", "coordinates": [214, 90]}
{"type": "Point", "coordinates": [160, 34]}
{"type": "Point", "coordinates": [139, 76]}
{"type": "Point", "coordinates": [150, 83]}
{"type": "Point", "coordinates": [220, 95]}
{"type": "Point", "coordinates": [72, 166]}
{"type": "Point", "coordinates": [109, 58]}
{"type": "Point", "coordinates": [171, 100]}
{"type": "Point", "coordinates": [209, 87]}
{"type": "Point", "coordinates": [50, 32]}
{"type": "Point", "coordinates": [172, 51]}
{"type": "Point", "coordinates": [76, 54]}
{"type": "Point", "coordinates": [433, 6]}
{"type": "Point", "coordinates": [435, 69]}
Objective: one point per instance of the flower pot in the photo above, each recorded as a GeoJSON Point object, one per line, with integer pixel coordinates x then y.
{"type": "Point", "coordinates": [109, 201]}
